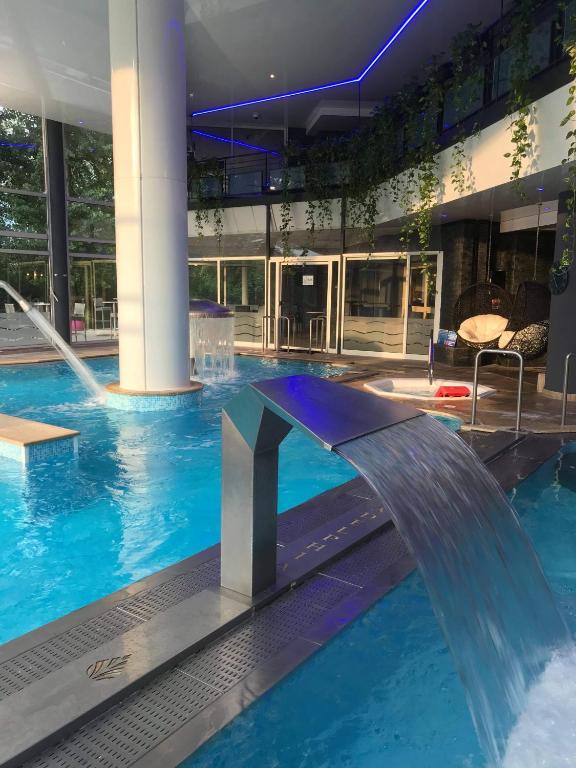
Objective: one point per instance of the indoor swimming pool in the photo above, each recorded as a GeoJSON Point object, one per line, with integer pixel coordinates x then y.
{"type": "Point", "coordinates": [144, 492]}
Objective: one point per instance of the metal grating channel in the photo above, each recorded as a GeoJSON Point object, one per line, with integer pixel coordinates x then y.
{"type": "Point", "coordinates": [380, 553]}
{"type": "Point", "coordinates": [129, 730]}
{"type": "Point", "coordinates": [36, 663]}
{"type": "Point", "coordinates": [301, 520]}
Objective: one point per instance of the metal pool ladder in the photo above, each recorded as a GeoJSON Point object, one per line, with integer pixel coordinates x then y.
{"type": "Point", "coordinates": [567, 362]}
{"type": "Point", "coordinates": [317, 326]}
{"type": "Point", "coordinates": [507, 353]}
{"type": "Point", "coordinates": [281, 321]}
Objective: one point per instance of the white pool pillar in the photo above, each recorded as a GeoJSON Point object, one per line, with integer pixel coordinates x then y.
{"type": "Point", "coordinates": [148, 63]}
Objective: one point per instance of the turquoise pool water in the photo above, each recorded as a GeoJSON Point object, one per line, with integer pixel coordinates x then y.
{"type": "Point", "coordinates": [385, 692]}
{"type": "Point", "coordinates": [144, 492]}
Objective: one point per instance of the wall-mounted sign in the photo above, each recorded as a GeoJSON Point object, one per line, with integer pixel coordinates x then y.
{"type": "Point", "coordinates": [447, 338]}
{"type": "Point", "coordinates": [307, 279]}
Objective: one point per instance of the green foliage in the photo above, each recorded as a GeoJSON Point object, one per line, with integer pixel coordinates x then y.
{"type": "Point", "coordinates": [319, 164]}
{"type": "Point", "coordinates": [206, 183]}
{"type": "Point", "coordinates": [467, 77]}
{"type": "Point", "coordinates": [89, 166]}
{"type": "Point", "coordinates": [21, 168]}
{"type": "Point", "coordinates": [569, 235]}
{"type": "Point", "coordinates": [520, 110]}
{"type": "Point", "coordinates": [203, 281]}
{"type": "Point", "coordinates": [285, 209]}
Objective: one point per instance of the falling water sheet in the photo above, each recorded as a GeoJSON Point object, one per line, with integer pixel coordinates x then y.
{"type": "Point", "coordinates": [486, 585]}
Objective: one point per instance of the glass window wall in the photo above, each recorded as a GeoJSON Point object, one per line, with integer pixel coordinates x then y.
{"type": "Point", "coordinates": [94, 297]}
{"type": "Point", "coordinates": [242, 288]}
{"type": "Point", "coordinates": [203, 280]}
{"type": "Point", "coordinates": [374, 305]}
{"type": "Point", "coordinates": [421, 305]}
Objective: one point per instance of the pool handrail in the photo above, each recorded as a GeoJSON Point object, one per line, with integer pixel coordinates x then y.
{"type": "Point", "coordinates": [506, 353]}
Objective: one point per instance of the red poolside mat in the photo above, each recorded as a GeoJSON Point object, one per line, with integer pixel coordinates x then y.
{"type": "Point", "coordinates": [452, 391]}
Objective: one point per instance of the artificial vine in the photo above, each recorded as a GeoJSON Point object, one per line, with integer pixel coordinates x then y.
{"type": "Point", "coordinates": [569, 235]}
{"type": "Point", "coordinates": [467, 78]}
{"type": "Point", "coordinates": [428, 183]}
{"type": "Point", "coordinates": [319, 166]}
{"type": "Point", "coordinates": [218, 222]}
{"type": "Point", "coordinates": [208, 185]}
{"type": "Point", "coordinates": [285, 212]}
{"type": "Point", "coordinates": [520, 109]}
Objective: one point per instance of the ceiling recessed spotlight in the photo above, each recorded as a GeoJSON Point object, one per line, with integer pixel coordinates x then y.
{"type": "Point", "coordinates": [272, 75]}
{"type": "Point", "coordinates": [80, 122]}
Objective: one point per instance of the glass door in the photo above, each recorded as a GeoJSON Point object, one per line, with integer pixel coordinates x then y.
{"type": "Point", "coordinates": [391, 304]}
{"type": "Point", "coordinates": [421, 304]}
{"type": "Point", "coordinates": [304, 301]}
{"type": "Point", "coordinates": [374, 305]}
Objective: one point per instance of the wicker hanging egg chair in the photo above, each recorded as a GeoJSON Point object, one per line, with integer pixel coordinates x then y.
{"type": "Point", "coordinates": [481, 314]}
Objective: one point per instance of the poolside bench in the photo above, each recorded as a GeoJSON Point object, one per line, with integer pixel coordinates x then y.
{"type": "Point", "coordinates": [30, 441]}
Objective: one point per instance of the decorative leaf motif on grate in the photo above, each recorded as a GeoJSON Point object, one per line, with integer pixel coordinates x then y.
{"type": "Point", "coordinates": [106, 669]}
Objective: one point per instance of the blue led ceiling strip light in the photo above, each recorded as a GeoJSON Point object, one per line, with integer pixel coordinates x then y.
{"type": "Point", "coordinates": [327, 86]}
{"type": "Point", "coordinates": [237, 142]}
{"type": "Point", "coordinates": [15, 145]}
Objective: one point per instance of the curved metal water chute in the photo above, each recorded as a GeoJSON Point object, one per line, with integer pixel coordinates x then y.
{"type": "Point", "coordinates": [254, 424]}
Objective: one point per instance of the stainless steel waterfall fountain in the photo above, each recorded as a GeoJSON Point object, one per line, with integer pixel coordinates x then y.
{"type": "Point", "coordinates": [486, 585]}
{"type": "Point", "coordinates": [211, 339]}
{"type": "Point", "coordinates": [254, 424]}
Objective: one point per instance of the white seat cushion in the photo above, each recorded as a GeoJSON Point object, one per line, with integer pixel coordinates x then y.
{"type": "Point", "coordinates": [482, 328]}
{"type": "Point", "coordinates": [505, 339]}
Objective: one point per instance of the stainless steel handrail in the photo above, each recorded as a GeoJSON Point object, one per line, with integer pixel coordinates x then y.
{"type": "Point", "coordinates": [284, 319]}
{"type": "Point", "coordinates": [319, 325]}
{"type": "Point", "coordinates": [266, 330]}
{"type": "Point", "coordinates": [507, 353]}
{"type": "Point", "coordinates": [567, 360]}
{"type": "Point", "coordinates": [431, 359]}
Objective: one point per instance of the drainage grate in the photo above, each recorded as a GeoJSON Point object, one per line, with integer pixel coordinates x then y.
{"type": "Point", "coordinates": [148, 603]}
{"type": "Point", "coordinates": [294, 524]}
{"type": "Point", "coordinates": [129, 730]}
{"type": "Point", "coordinates": [380, 553]}
{"type": "Point", "coordinates": [36, 663]}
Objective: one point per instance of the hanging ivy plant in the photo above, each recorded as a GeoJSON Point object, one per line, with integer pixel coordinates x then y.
{"type": "Point", "coordinates": [319, 188]}
{"type": "Point", "coordinates": [467, 78]}
{"type": "Point", "coordinates": [218, 222]}
{"type": "Point", "coordinates": [560, 269]}
{"type": "Point", "coordinates": [285, 212]}
{"type": "Point", "coordinates": [202, 213]}
{"type": "Point", "coordinates": [415, 190]}
{"type": "Point", "coordinates": [207, 181]}
{"type": "Point", "coordinates": [520, 109]}
{"type": "Point", "coordinates": [428, 183]}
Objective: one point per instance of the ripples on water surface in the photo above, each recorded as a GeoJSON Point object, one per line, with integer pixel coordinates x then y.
{"type": "Point", "coordinates": [143, 494]}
